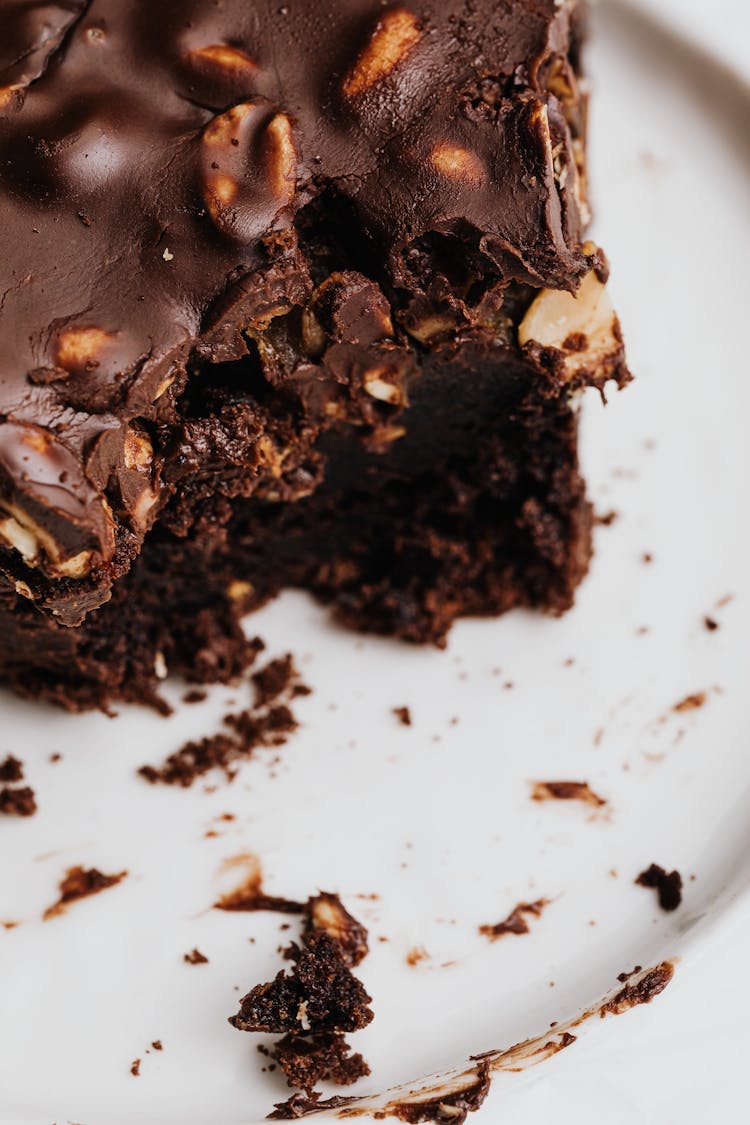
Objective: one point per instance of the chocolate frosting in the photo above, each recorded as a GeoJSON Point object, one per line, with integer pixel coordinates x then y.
{"type": "Point", "coordinates": [155, 157]}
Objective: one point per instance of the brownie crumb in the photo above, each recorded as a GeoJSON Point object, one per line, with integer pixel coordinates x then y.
{"type": "Point", "coordinates": [312, 1005]}
{"type": "Point", "coordinates": [516, 922]}
{"type": "Point", "coordinates": [403, 714]}
{"type": "Point", "coordinates": [691, 702]}
{"type": "Point", "coordinates": [416, 956]}
{"type": "Point", "coordinates": [17, 802]}
{"type": "Point", "coordinates": [80, 882]}
{"type": "Point", "coordinates": [274, 679]}
{"type": "Point", "coordinates": [302, 1105]}
{"type": "Point", "coordinates": [195, 957]}
{"type": "Point", "coordinates": [11, 770]}
{"type": "Point", "coordinates": [268, 723]}
{"type": "Point", "coordinates": [642, 992]}
{"type": "Point", "coordinates": [9, 925]}
{"type": "Point", "coordinates": [157, 1045]}
{"type": "Point", "coordinates": [668, 885]}
{"type": "Point", "coordinates": [325, 912]}
{"type": "Point", "coordinates": [327, 1057]}
{"type": "Point", "coordinates": [55, 758]}
{"type": "Point", "coordinates": [623, 977]}
{"type": "Point", "coordinates": [606, 519]}
{"type": "Point", "coordinates": [566, 791]}
{"type": "Point", "coordinates": [195, 695]}
{"type": "Point", "coordinates": [320, 994]}
{"type": "Point", "coordinates": [135, 1067]}
{"type": "Point", "coordinates": [711, 624]}
{"type": "Point", "coordinates": [444, 1108]}
{"type": "Point", "coordinates": [249, 896]}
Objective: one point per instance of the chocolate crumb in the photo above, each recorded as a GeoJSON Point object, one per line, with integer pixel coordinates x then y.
{"type": "Point", "coordinates": [711, 624]}
{"type": "Point", "coordinates": [308, 1060]}
{"type": "Point", "coordinates": [642, 992]}
{"type": "Point", "coordinates": [403, 714]}
{"type": "Point", "coordinates": [80, 882]}
{"type": "Point", "coordinates": [268, 723]}
{"type": "Point", "coordinates": [17, 802]}
{"type": "Point", "coordinates": [691, 702]}
{"type": "Point", "coordinates": [195, 695]}
{"type": "Point", "coordinates": [515, 923]}
{"type": "Point", "coordinates": [320, 994]}
{"type": "Point", "coordinates": [11, 770]}
{"type": "Point", "coordinates": [566, 791]}
{"type": "Point", "coordinates": [135, 1067]}
{"type": "Point", "coordinates": [623, 977]}
{"type": "Point", "coordinates": [668, 885]}
{"type": "Point", "coordinates": [54, 758]}
{"type": "Point", "coordinates": [195, 957]}
{"type": "Point", "coordinates": [157, 1045]}
{"type": "Point", "coordinates": [9, 925]}
{"type": "Point", "coordinates": [416, 955]}
{"type": "Point", "coordinates": [606, 519]}
{"type": "Point", "coordinates": [274, 679]}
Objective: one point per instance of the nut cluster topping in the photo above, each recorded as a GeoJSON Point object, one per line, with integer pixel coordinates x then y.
{"type": "Point", "coordinates": [249, 168]}
{"type": "Point", "coordinates": [582, 327]}
{"type": "Point", "coordinates": [395, 36]}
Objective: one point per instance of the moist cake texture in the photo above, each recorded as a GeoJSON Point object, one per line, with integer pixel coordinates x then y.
{"type": "Point", "coordinates": [289, 295]}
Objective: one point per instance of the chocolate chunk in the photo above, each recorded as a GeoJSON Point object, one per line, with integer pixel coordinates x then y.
{"type": "Point", "coordinates": [17, 802]}
{"type": "Point", "coordinates": [668, 885]}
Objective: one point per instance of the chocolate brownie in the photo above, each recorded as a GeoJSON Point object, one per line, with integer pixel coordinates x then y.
{"type": "Point", "coordinates": [289, 295]}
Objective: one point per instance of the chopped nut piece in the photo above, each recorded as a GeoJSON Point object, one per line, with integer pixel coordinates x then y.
{"type": "Point", "coordinates": [281, 155]}
{"type": "Point", "coordinates": [139, 452]}
{"type": "Point", "coordinates": [225, 57]}
{"type": "Point", "coordinates": [80, 349]}
{"type": "Point", "coordinates": [395, 36]}
{"type": "Point", "coordinates": [583, 327]}
{"type": "Point", "coordinates": [379, 388]}
{"type": "Point", "coordinates": [457, 163]}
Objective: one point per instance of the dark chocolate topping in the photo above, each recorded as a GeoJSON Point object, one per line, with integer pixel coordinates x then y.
{"type": "Point", "coordinates": [154, 161]}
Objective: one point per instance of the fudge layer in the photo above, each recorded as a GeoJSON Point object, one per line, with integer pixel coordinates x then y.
{"type": "Point", "coordinates": [289, 295]}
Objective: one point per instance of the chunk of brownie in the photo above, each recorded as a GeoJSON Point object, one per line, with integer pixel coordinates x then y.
{"type": "Point", "coordinates": [303, 298]}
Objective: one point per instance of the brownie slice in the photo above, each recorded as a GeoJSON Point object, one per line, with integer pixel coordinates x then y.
{"type": "Point", "coordinates": [292, 297]}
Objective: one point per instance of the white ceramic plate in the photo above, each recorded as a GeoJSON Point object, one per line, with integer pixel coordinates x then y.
{"type": "Point", "coordinates": [436, 819]}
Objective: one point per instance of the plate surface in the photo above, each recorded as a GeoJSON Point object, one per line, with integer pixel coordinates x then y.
{"type": "Point", "coordinates": [436, 819]}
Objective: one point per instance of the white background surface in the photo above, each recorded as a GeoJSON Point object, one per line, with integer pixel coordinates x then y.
{"type": "Point", "coordinates": [684, 1060]}
{"type": "Point", "coordinates": [673, 198]}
